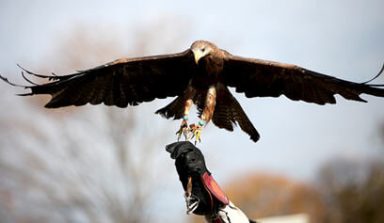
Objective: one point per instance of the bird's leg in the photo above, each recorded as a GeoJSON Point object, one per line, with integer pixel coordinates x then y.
{"type": "Point", "coordinates": [206, 115]}
{"type": "Point", "coordinates": [196, 130]}
{"type": "Point", "coordinates": [184, 130]}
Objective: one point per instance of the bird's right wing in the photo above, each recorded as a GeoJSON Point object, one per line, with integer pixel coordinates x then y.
{"type": "Point", "coordinates": [123, 82]}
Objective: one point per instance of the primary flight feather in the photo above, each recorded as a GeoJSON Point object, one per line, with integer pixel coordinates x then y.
{"type": "Point", "coordinates": [200, 75]}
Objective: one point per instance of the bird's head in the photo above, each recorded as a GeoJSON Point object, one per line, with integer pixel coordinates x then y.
{"type": "Point", "coordinates": [201, 49]}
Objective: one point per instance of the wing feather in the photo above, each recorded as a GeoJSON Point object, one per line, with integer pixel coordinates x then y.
{"type": "Point", "coordinates": [262, 78]}
{"type": "Point", "coordinates": [228, 113]}
{"type": "Point", "coordinates": [122, 82]}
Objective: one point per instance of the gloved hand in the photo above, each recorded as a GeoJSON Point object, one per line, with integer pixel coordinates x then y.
{"type": "Point", "coordinates": [203, 194]}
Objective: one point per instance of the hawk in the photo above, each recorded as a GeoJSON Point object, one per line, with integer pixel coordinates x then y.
{"type": "Point", "coordinates": [200, 75]}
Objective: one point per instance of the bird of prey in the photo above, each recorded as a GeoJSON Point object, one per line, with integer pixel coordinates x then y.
{"type": "Point", "coordinates": [199, 75]}
{"type": "Point", "coordinates": [203, 195]}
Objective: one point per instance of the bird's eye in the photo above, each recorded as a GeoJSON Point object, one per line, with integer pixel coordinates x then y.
{"type": "Point", "coordinates": [202, 50]}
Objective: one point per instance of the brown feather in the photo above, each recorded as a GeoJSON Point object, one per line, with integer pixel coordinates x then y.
{"type": "Point", "coordinates": [122, 82]}
{"type": "Point", "coordinates": [261, 78]}
{"type": "Point", "coordinates": [228, 113]}
{"type": "Point", "coordinates": [189, 76]}
{"type": "Point", "coordinates": [174, 109]}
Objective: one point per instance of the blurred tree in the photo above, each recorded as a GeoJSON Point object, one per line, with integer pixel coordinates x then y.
{"type": "Point", "coordinates": [261, 195]}
{"type": "Point", "coordinates": [345, 191]}
{"type": "Point", "coordinates": [92, 163]}
{"type": "Point", "coordinates": [354, 190]}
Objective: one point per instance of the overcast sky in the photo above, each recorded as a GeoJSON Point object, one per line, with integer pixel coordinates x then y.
{"type": "Point", "coordinates": [343, 38]}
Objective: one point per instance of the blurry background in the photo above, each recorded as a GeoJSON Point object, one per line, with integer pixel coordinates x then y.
{"type": "Point", "coordinates": [104, 164]}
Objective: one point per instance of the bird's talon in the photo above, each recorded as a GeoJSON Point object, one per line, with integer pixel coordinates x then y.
{"type": "Point", "coordinates": [196, 132]}
{"type": "Point", "coordinates": [184, 130]}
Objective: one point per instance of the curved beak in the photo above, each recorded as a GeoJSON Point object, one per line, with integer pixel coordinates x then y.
{"type": "Point", "coordinates": [198, 54]}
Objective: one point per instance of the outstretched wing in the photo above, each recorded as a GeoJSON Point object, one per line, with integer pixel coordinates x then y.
{"type": "Point", "coordinates": [261, 78]}
{"type": "Point", "coordinates": [121, 82]}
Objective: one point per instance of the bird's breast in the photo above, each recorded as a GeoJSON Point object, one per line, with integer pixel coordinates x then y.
{"type": "Point", "coordinates": [203, 81]}
{"type": "Point", "coordinates": [208, 73]}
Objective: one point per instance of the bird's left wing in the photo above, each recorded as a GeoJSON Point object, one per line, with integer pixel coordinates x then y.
{"type": "Point", "coordinates": [121, 82]}
{"type": "Point", "coordinates": [262, 78]}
